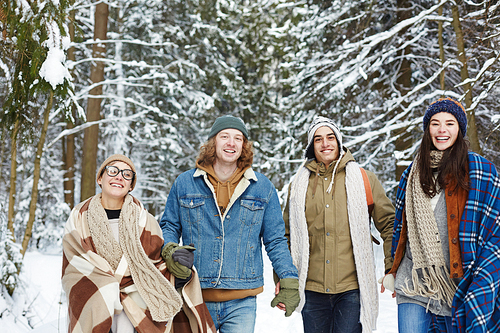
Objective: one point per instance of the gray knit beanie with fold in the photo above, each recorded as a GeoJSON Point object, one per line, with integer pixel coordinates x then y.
{"type": "Point", "coordinates": [318, 122]}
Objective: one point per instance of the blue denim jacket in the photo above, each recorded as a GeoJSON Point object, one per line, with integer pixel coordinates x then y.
{"type": "Point", "coordinates": [228, 249]}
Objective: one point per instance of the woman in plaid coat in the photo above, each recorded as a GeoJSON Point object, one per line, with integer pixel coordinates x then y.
{"type": "Point", "coordinates": [446, 240]}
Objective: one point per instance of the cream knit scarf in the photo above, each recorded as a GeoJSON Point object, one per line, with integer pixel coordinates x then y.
{"type": "Point", "coordinates": [360, 236]}
{"type": "Point", "coordinates": [160, 296]}
{"type": "Point", "coordinates": [424, 239]}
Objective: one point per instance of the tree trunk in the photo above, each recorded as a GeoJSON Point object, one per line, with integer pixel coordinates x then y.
{"type": "Point", "coordinates": [91, 136]}
{"type": "Point", "coordinates": [36, 175]}
{"type": "Point", "coordinates": [404, 140]}
{"type": "Point", "coordinates": [2, 19]}
{"type": "Point", "coordinates": [69, 141]}
{"type": "Point", "coordinates": [69, 167]}
{"type": "Point", "coordinates": [464, 73]}
{"type": "Point", "coordinates": [2, 152]}
{"type": "Point", "coordinates": [13, 177]}
{"type": "Point", "coordinates": [441, 47]}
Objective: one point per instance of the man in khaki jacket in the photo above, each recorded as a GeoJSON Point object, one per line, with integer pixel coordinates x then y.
{"type": "Point", "coordinates": [327, 222]}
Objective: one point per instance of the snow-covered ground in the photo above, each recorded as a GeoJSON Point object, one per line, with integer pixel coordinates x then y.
{"type": "Point", "coordinates": [45, 303]}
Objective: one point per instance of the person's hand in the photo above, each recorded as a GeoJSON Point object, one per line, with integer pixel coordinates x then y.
{"type": "Point", "coordinates": [179, 259]}
{"type": "Point", "coordinates": [280, 305]}
{"type": "Point", "coordinates": [387, 282]}
{"type": "Point", "coordinates": [287, 296]}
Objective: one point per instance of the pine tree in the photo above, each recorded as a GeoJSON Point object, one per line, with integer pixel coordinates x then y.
{"type": "Point", "coordinates": [36, 35]}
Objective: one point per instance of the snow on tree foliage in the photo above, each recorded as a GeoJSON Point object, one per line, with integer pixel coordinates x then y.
{"type": "Point", "coordinates": [10, 258]}
{"type": "Point", "coordinates": [173, 66]}
{"type": "Point", "coordinates": [375, 67]}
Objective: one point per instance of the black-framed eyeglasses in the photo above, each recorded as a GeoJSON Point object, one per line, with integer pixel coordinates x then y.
{"type": "Point", "coordinates": [113, 171]}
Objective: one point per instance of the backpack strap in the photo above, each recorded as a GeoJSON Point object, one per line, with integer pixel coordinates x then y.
{"type": "Point", "coordinates": [369, 198]}
{"type": "Point", "coordinates": [368, 191]}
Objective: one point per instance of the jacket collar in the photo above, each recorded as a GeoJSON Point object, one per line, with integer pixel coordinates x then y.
{"type": "Point", "coordinates": [240, 188]}
{"type": "Point", "coordinates": [249, 174]}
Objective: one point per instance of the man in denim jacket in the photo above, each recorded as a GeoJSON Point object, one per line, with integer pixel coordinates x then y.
{"type": "Point", "coordinates": [226, 211]}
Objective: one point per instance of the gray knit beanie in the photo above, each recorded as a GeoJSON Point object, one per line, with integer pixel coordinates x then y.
{"type": "Point", "coordinates": [318, 122]}
{"type": "Point", "coordinates": [228, 121]}
{"type": "Point", "coordinates": [121, 158]}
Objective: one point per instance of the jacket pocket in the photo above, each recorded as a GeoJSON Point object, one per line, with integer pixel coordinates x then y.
{"type": "Point", "coordinates": [251, 210]}
{"type": "Point", "coordinates": [192, 209]}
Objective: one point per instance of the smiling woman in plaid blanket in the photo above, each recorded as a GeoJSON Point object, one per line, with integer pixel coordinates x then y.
{"type": "Point", "coordinates": [446, 244]}
{"type": "Point", "coordinates": [113, 273]}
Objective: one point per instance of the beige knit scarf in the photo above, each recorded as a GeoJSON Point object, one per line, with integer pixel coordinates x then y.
{"type": "Point", "coordinates": [158, 293]}
{"type": "Point", "coordinates": [425, 242]}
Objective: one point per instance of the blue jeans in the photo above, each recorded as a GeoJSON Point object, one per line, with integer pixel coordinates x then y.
{"type": "Point", "coordinates": [332, 313]}
{"type": "Point", "coordinates": [234, 316]}
{"type": "Point", "coordinates": [413, 318]}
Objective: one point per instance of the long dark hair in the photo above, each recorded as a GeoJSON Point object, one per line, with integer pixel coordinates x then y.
{"type": "Point", "coordinates": [454, 165]}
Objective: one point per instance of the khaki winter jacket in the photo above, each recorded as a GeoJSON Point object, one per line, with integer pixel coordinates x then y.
{"type": "Point", "coordinates": [331, 261]}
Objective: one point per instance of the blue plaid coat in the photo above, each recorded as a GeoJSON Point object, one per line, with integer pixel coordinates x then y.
{"type": "Point", "coordinates": [476, 305]}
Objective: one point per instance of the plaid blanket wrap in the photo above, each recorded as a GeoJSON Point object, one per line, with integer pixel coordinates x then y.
{"type": "Point", "coordinates": [96, 292]}
{"type": "Point", "coordinates": [476, 304]}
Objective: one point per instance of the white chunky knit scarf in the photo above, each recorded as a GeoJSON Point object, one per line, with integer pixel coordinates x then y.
{"type": "Point", "coordinates": [360, 236]}
{"type": "Point", "coordinates": [158, 293]}
{"type": "Point", "coordinates": [425, 242]}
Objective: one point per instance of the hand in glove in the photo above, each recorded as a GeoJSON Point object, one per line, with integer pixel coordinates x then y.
{"type": "Point", "coordinates": [387, 282]}
{"type": "Point", "coordinates": [288, 295]}
{"type": "Point", "coordinates": [179, 259]}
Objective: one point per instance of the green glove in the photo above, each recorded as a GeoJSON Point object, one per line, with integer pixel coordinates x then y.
{"type": "Point", "coordinates": [174, 266]}
{"type": "Point", "coordinates": [288, 295]}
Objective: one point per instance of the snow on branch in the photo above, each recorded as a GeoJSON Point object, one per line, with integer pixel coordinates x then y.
{"type": "Point", "coordinates": [487, 64]}
{"type": "Point", "coordinates": [53, 70]}
{"type": "Point", "coordinates": [80, 128]}
{"type": "Point", "coordinates": [352, 70]}
{"type": "Point", "coordinates": [371, 41]}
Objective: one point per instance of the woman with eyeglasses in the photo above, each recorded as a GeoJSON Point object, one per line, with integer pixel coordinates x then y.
{"type": "Point", "coordinates": [113, 274]}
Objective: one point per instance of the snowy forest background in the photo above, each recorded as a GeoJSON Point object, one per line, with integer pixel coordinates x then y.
{"type": "Point", "coordinates": [81, 80]}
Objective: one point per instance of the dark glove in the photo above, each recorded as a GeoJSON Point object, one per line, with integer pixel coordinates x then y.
{"type": "Point", "coordinates": [184, 256]}
{"type": "Point", "coordinates": [288, 295]}
{"type": "Point", "coordinates": [179, 259]}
